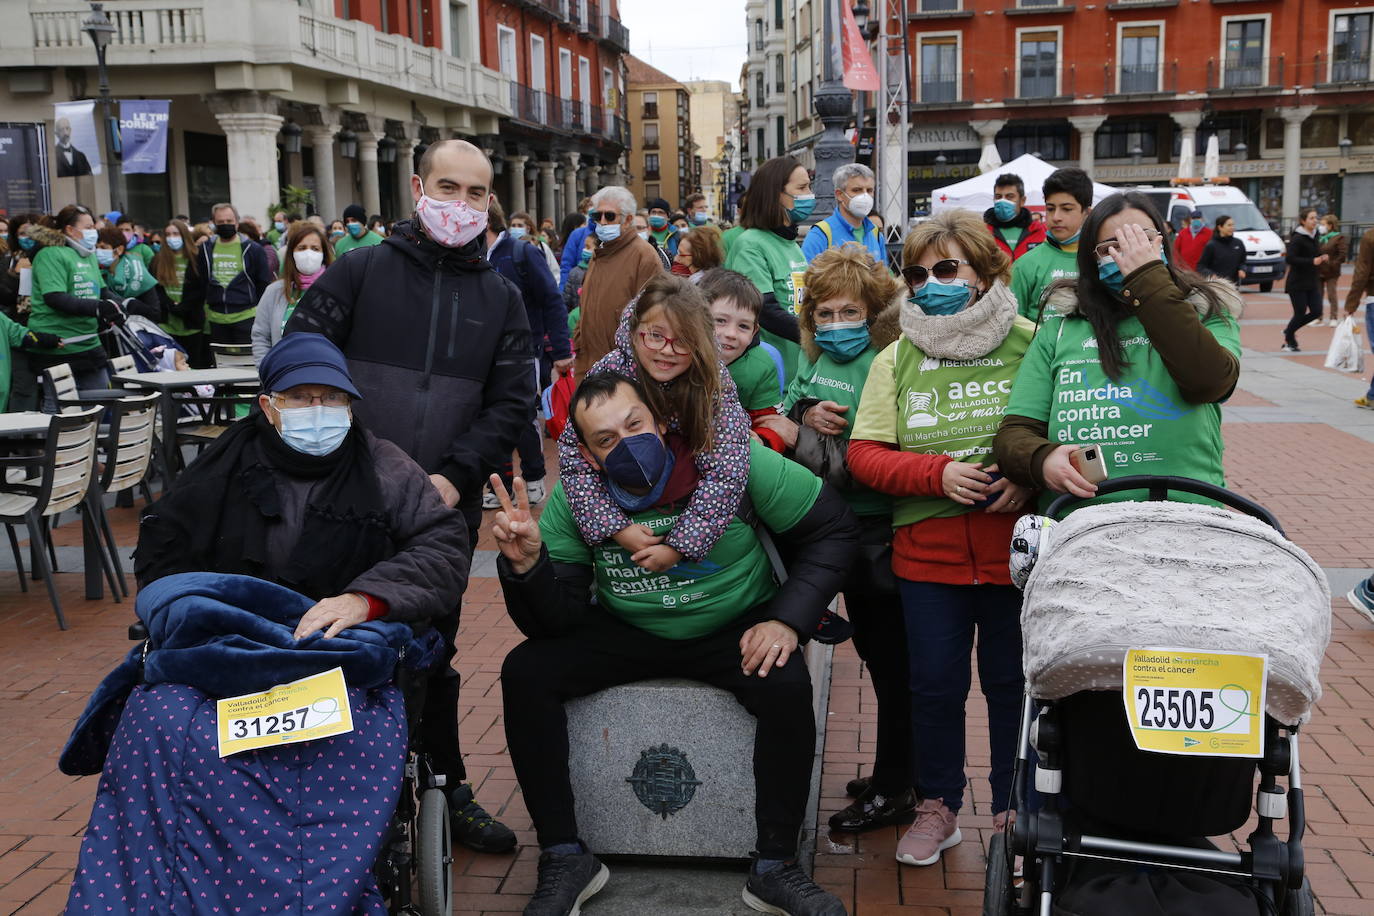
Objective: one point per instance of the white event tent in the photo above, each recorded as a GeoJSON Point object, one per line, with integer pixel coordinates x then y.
{"type": "Point", "coordinates": [976, 193]}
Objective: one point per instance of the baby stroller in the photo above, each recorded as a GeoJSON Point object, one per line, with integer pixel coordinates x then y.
{"type": "Point", "coordinates": [177, 828]}
{"type": "Point", "coordinates": [1120, 830]}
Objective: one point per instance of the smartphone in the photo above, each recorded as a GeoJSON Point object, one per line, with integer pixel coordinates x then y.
{"type": "Point", "coordinates": [992, 497]}
{"type": "Point", "coordinates": [1089, 462]}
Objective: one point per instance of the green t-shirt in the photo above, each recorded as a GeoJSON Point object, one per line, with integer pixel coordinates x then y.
{"type": "Point", "coordinates": [1141, 421]}
{"type": "Point", "coordinates": [756, 379]}
{"type": "Point", "coordinates": [939, 406]}
{"type": "Point", "coordinates": [1033, 273]}
{"type": "Point", "coordinates": [573, 317]}
{"type": "Point", "coordinates": [175, 325]}
{"type": "Point", "coordinates": [691, 599]}
{"type": "Point", "coordinates": [727, 238]}
{"type": "Point", "coordinates": [145, 253]}
{"type": "Point", "coordinates": [348, 242]}
{"type": "Point", "coordinates": [829, 380]}
{"type": "Point", "coordinates": [60, 269]}
{"type": "Point", "coordinates": [130, 276]}
{"type": "Point", "coordinates": [1012, 235]}
{"type": "Point", "coordinates": [663, 236]}
{"type": "Point", "coordinates": [775, 265]}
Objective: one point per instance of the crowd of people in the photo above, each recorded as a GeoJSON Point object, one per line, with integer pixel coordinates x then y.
{"type": "Point", "coordinates": [887, 424]}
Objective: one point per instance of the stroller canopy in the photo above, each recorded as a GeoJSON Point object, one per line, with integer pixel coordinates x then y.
{"type": "Point", "coordinates": [1173, 575]}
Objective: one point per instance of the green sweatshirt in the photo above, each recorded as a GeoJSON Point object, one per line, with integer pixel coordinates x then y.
{"type": "Point", "coordinates": [130, 276]}
{"type": "Point", "coordinates": [756, 379]}
{"type": "Point", "coordinates": [775, 265]}
{"type": "Point", "coordinates": [1033, 273]}
{"type": "Point", "coordinates": [61, 269]}
{"type": "Point", "coordinates": [11, 336]}
{"type": "Point", "coordinates": [348, 242]}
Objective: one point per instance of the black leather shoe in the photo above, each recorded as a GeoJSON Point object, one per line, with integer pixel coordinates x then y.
{"type": "Point", "coordinates": [873, 810]}
{"type": "Point", "coordinates": [858, 787]}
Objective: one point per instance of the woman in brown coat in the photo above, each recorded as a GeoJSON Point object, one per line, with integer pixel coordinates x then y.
{"type": "Point", "coordinates": [1336, 248]}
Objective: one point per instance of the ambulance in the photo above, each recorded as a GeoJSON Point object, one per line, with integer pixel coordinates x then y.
{"type": "Point", "coordinates": [1264, 250]}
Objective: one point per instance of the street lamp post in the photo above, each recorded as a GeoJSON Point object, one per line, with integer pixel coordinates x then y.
{"type": "Point", "coordinates": [726, 211]}
{"type": "Point", "coordinates": [833, 105]}
{"type": "Point", "coordinates": [99, 27]}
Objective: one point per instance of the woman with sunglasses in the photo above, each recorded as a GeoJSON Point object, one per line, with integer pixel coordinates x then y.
{"type": "Point", "coordinates": [766, 249]}
{"type": "Point", "coordinates": [923, 436]}
{"type": "Point", "coordinates": [1137, 360]}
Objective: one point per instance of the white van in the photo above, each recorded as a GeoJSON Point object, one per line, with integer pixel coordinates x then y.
{"type": "Point", "coordinates": [1264, 249]}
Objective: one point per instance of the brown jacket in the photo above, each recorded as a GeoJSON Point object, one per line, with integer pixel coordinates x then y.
{"type": "Point", "coordinates": [617, 273]}
{"type": "Point", "coordinates": [1362, 284]}
{"type": "Point", "coordinates": [1335, 250]}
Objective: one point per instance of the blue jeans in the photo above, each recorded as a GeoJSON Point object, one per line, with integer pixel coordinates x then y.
{"type": "Point", "coordinates": [940, 625]}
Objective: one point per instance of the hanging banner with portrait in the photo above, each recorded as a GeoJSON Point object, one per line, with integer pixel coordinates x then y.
{"type": "Point", "coordinates": [77, 151]}
{"type": "Point", "coordinates": [24, 183]}
{"type": "Point", "coordinates": [143, 126]}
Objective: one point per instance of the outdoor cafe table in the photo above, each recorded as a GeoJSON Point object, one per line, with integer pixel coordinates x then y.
{"type": "Point", "coordinates": [30, 427]}
{"type": "Point", "coordinates": [168, 383]}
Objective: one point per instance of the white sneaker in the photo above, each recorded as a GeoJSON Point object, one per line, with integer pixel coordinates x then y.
{"type": "Point", "coordinates": [535, 490]}
{"type": "Point", "coordinates": [489, 500]}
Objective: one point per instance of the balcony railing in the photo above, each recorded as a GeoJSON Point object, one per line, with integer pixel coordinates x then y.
{"type": "Point", "coordinates": [939, 90]}
{"type": "Point", "coordinates": [596, 23]}
{"type": "Point", "coordinates": [541, 109]}
{"type": "Point", "coordinates": [617, 35]}
{"type": "Point", "coordinates": [1350, 70]}
{"type": "Point", "coordinates": [651, 174]}
{"type": "Point", "coordinates": [168, 25]}
{"type": "Point", "coordinates": [1139, 78]}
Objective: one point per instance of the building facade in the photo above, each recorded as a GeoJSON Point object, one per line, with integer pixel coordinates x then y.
{"type": "Point", "coordinates": [567, 131]}
{"type": "Point", "coordinates": [767, 74]}
{"type": "Point", "coordinates": [1119, 87]}
{"type": "Point", "coordinates": [334, 96]}
{"type": "Point", "coordinates": [665, 162]}
{"type": "Point", "coordinates": [715, 123]}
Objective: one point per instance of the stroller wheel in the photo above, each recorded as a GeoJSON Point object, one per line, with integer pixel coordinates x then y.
{"type": "Point", "coordinates": [433, 855]}
{"type": "Point", "coordinates": [1300, 902]}
{"type": "Point", "coordinates": [997, 888]}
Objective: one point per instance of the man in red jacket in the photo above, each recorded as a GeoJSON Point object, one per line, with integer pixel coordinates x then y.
{"type": "Point", "coordinates": [1189, 243]}
{"type": "Point", "coordinates": [1008, 219]}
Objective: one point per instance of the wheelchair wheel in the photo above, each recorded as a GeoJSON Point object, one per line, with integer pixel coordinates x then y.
{"type": "Point", "coordinates": [1300, 902]}
{"type": "Point", "coordinates": [433, 855]}
{"type": "Point", "coordinates": [997, 887]}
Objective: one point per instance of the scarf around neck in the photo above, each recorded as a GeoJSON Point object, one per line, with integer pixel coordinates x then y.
{"type": "Point", "coordinates": [974, 332]}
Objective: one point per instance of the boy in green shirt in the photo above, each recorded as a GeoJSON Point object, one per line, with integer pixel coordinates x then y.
{"type": "Point", "coordinates": [1068, 200]}
{"type": "Point", "coordinates": [735, 304]}
{"type": "Point", "coordinates": [724, 621]}
{"type": "Point", "coordinates": [358, 235]}
{"type": "Point", "coordinates": [125, 273]}
{"type": "Point", "coordinates": [776, 266]}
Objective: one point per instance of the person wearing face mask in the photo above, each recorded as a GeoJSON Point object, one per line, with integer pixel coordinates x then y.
{"type": "Point", "coordinates": [766, 251]}
{"type": "Point", "coordinates": [1136, 355]}
{"type": "Point", "coordinates": [698, 211]}
{"type": "Point", "coordinates": [698, 252]}
{"type": "Point", "coordinates": [175, 267]}
{"type": "Point", "coordinates": [622, 264]}
{"type": "Point", "coordinates": [70, 302]}
{"type": "Point", "coordinates": [308, 253]}
{"type": "Point", "coordinates": [302, 494]}
{"type": "Point", "coordinates": [1191, 240]}
{"type": "Point", "coordinates": [641, 227]}
{"type": "Point", "coordinates": [231, 276]}
{"type": "Point", "coordinates": [659, 217]}
{"type": "Point", "coordinates": [572, 294]}
{"type": "Point", "coordinates": [1010, 223]}
{"type": "Point", "coordinates": [576, 228]}
{"type": "Point", "coordinates": [135, 239]}
{"type": "Point", "coordinates": [20, 247]}
{"type": "Point", "coordinates": [126, 275]}
{"type": "Point", "coordinates": [921, 435]}
{"type": "Point", "coordinates": [356, 232]}
{"type": "Point", "coordinates": [279, 227]}
{"type": "Point", "coordinates": [440, 344]}
{"type": "Point", "coordinates": [1068, 200]}
{"type": "Point", "coordinates": [522, 229]}
{"type": "Point", "coordinates": [849, 222]}
{"type": "Point", "coordinates": [743, 631]}
{"type": "Point", "coordinates": [336, 231]}
{"type": "Point", "coordinates": [1332, 243]}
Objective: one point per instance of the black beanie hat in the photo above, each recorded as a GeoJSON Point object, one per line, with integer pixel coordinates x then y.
{"type": "Point", "coordinates": [353, 211]}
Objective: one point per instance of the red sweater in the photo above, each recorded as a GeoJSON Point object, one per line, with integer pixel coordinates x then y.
{"type": "Point", "coordinates": [1188, 247]}
{"type": "Point", "coordinates": [967, 549]}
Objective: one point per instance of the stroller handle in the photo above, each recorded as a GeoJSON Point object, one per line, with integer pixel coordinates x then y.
{"type": "Point", "coordinates": [1159, 487]}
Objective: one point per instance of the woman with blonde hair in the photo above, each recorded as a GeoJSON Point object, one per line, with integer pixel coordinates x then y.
{"type": "Point", "coordinates": [923, 435]}
{"type": "Point", "coordinates": [308, 253]}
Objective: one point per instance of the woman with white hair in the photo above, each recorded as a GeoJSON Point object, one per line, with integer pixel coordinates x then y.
{"type": "Point", "coordinates": [849, 221]}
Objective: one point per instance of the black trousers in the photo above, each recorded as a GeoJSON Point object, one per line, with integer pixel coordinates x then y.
{"type": "Point", "coordinates": [880, 639]}
{"type": "Point", "coordinates": [240, 332]}
{"type": "Point", "coordinates": [439, 721]}
{"type": "Point", "coordinates": [1307, 307]}
{"type": "Point", "coordinates": [540, 674]}
{"type": "Point", "coordinates": [197, 347]}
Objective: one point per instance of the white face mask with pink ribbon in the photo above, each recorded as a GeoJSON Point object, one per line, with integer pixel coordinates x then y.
{"type": "Point", "coordinates": [451, 223]}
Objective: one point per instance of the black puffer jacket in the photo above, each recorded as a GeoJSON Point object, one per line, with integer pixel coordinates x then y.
{"type": "Point", "coordinates": [438, 343]}
{"type": "Point", "coordinates": [1302, 273]}
{"type": "Point", "coordinates": [1224, 256]}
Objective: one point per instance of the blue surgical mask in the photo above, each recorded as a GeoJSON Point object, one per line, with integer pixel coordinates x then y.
{"type": "Point", "coordinates": [314, 430]}
{"type": "Point", "coordinates": [157, 246]}
{"type": "Point", "coordinates": [104, 256]}
{"type": "Point", "coordinates": [644, 235]}
{"type": "Point", "coordinates": [1109, 272]}
{"type": "Point", "coordinates": [1068, 241]}
{"type": "Point", "coordinates": [1197, 226]}
{"type": "Point", "coordinates": [88, 238]}
{"type": "Point", "coordinates": [936, 298]}
{"type": "Point", "coordinates": [700, 219]}
{"type": "Point", "coordinates": [279, 226]}
{"type": "Point", "coordinates": [175, 242]}
{"type": "Point", "coordinates": [608, 232]}
{"type": "Point", "coordinates": [356, 230]}
{"type": "Point", "coordinates": [802, 207]}
{"type": "Point", "coordinates": [27, 243]}
{"type": "Point", "coordinates": [1004, 210]}
{"type": "Point", "coordinates": [584, 258]}
{"type": "Point", "coordinates": [518, 232]}
{"type": "Point", "coordinates": [658, 222]}
{"type": "Point", "coordinates": [843, 340]}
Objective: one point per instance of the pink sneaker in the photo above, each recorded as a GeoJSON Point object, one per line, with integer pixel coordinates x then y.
{"type": "Point", "coordinates": [936, 829]}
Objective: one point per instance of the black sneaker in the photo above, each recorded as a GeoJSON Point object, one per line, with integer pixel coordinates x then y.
{"type": "Point", "coordinates": [789, 891]}
{"type": "Point", "coordinates": [872, 810]}
{"type": "Point", "coordinates": [832, 630]}
{"type": "Point", "coordinates": [565, 883]}
{"type": "Point", "coordinates": [474, 827]}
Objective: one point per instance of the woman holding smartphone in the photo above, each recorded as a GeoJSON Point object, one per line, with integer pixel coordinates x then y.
{"type": "Point", "coordinates": [1136, 361]}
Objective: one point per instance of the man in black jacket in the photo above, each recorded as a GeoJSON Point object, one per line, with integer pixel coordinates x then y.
{"type": "Point", "coordinates": [595, 619]}
{"type": "Point", "coordinates": [439, 344]}
{"type": "Point", "coordinates": [233, 273]}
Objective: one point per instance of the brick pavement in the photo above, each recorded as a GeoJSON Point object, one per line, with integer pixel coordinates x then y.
{"type": "Point", "coordinates": [1313, 475]}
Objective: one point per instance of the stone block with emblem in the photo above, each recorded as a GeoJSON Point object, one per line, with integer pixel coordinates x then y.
{"type": "Point", "coordinates": [665, 767]}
